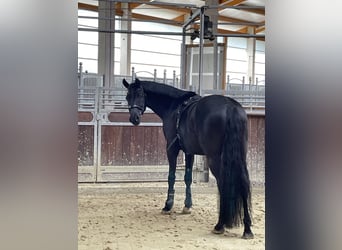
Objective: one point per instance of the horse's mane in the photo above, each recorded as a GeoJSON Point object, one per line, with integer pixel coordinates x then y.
{"type": "Point", "coordinates": [166, 90]}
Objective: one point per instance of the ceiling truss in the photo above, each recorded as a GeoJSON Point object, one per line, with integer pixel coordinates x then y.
{"type": "Point", "coordinates": [184, 12]}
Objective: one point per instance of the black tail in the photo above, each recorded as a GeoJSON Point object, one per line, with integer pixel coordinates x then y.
{"type": "Point", "coordinates": [234, 178]}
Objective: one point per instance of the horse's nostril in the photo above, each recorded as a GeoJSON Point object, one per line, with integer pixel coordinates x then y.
{"type": "Point", "coordinates": [135, 120]}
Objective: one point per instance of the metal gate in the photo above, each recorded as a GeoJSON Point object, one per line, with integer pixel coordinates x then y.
{"type": "Point", "coordinates": [210, 81]}
{"type": "Point", "coordinates": [88, 100]}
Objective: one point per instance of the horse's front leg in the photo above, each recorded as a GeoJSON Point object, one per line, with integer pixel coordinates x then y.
{"type": "Point", "coordinates": [172, 157]}
{"type": "Point", "coordinates": [189, 161]}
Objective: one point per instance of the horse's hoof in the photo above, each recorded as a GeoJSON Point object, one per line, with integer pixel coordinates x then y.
{"type": "Point", "coordinates": [166, 212]}
{"type": "Point", "coordinates": [215, 231]}
{"type": "Point", "coordinates": [247, 235]}
{"type": "Point", "coordinates": [186, 210]}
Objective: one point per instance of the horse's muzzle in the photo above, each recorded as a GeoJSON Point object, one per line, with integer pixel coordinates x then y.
{"type": "Point", "coordinates": [135, 117]}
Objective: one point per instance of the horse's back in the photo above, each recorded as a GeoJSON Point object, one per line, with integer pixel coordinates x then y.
{"type": "Point", "coordinates": [213, 102]}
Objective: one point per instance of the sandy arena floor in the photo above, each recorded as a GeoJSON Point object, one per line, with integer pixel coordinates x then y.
{"type": "Point", "coordinates": [128, 216]}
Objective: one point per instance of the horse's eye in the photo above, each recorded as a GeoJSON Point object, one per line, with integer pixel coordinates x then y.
{"type": "Point", "coordinates": [140, 92]}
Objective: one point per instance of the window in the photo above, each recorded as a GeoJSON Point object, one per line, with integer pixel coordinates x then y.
{"type": "Point", "coordinates": [237, 60]}
{"type": "Point", "coordinates": [88, 41]}
{"type": "Point", "coordinates": [160, 52]}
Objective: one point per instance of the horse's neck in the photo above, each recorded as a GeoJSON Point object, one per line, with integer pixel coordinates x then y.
{"type": "Point", "coordinates": [161, 105]}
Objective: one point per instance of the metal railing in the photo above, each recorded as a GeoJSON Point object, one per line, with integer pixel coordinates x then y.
{"type": "Point", "coordinates": [93, 96]}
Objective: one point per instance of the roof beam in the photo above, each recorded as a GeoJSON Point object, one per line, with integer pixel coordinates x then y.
{"type": "Point", "coordinates": [243, 30]}
{"type": "Point", "coordinates": [260, 29]}
{"type": "Point", "coordinates": [230, 19]}
{"type": "Point", "coordinates": [256, 10]}
{"type": "Point", "coordinates": [173, 8]}
{"type": "Point", "coordinates": [235, 20]}
{"type": "Point", "coordinates": [162, 6]}
{"type": "Point", "coordinates": [151, 18]}
{"type": "Point", "coordinates": [84, 6]}
{"type": "Point", "coordinates": [224, 31]}
{"type": "Point", "coordinates": [230, 3]}
{"type": "Point", "coordinates": [240, 31]}
{"type": "Point", "coordinates": [135, 5]}
{"type": "Point", "coordinates": [180, 18]}
{"type": "Point", "coordinates": [118, 9]}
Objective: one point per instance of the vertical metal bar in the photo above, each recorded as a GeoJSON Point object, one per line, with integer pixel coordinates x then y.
{"type": "Point", "coordinates": [174, 79]}
{"type": "Point", "coordinates": [183, 61]}
{"type": "Point", "coordinates": [243, 90]}
{"type": "Point", "coordinates": [155, 75]}
{"type": "Point", "coordinates": [201, 45]}
{"type": "Point", "coordinates": [80, 75]}
{"type": "Point", "coordinates": [80, 86]}
{"type": "Point", "coordinates": [224, 66]}
{"type": "Point", "coordinates": [81, 80]}
{"type": "Point", "coordinates": [215, 65]}
{"type": "Point", "coordinates": [228, 84]}
{"type": "Point", "coordinates": [133, 74]}
{"type": "Point", "coordinates": [126, 38]}
{"type": "Point", "coordinates": [96, 112]}
{"type": "Point", "coordinates": [257, 91]}
{"type": "Point", "coordinates": [191, 86]}
{"type": "Point", "coordinates": [106, 41]}
{"type": "Point", "coordinates": [99, 148]}
{"type": "Point", "coordinates": [250, 91]}
{"type": "Point", "coordinates": [164, 76]}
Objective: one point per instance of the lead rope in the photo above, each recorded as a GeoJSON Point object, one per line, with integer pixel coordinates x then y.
{"type": "Point", "coordinates": [173, 142]}
{"type": "Point", "coordinates": [177, 137]}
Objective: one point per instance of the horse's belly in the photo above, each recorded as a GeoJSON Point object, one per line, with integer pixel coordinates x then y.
{"type": "Point", "coordinates": [192, 146]}
{"type": "Point", "coordinates": [209, 144]}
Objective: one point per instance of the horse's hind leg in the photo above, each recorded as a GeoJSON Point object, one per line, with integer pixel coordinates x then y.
{"type": "Point", "coordinates": [219, 227]}
{"type": "Point", "coordinates": [172, 157]}
{"type": "Point", "coordinates": [189, 161]}
{"type": "Point", "coordinates": [214, 166]}
{"type": "Point", "coordinates": [247, 233]}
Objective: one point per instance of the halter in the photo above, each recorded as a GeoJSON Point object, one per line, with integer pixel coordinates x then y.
{"type": "Point", "coordinates": [141, 109]}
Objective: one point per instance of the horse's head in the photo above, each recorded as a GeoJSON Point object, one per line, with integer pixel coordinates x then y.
{"type": "Point", "coordinates": [136, 100]}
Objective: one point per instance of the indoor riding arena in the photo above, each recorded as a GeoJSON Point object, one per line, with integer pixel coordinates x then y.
{"type": "Point", "coordinates": [210, 47]}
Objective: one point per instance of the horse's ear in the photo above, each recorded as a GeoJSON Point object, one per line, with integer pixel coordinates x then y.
{"type": "Point", "coordinates": [125, 83]}
{"type": "Point", "coordinates": [137, 81]}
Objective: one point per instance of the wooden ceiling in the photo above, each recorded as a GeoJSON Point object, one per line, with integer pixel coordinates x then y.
{"type": "Point", "coordinates": [235, 16]}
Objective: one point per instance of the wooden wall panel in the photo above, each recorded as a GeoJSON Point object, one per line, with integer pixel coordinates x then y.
{"type": "Point", "coordinates": [137, 145]}
{"type": "Point", "coordinates": [145, 145]}
{"type": "Point", "coordinates": [132, 145]}
{"type": "Point", "coordinates": [126, 147]}
{"type": "Point", "coordinates": [85, 145]}
{"type": "Point", "coordinates": [85, 116]}
{"type": "Point", "coordinates": [256, 148]}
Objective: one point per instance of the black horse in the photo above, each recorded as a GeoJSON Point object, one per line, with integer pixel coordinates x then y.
{"type": "Point", "coordinates": [215, 126]}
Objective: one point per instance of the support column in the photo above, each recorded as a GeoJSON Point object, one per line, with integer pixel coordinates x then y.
{"type": "Point", "coordinates": [213, 15]}
{"type": "Point", "coordinates": [106, 41]}
{"type": "Point", "coordinates": [125, 50]}
{"type": "Point", "coordinates": [185, 40]}
{"type": "Point", "coordinates": [201, 48]}
{"type": "Point", "coordinates": [251, 55]}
